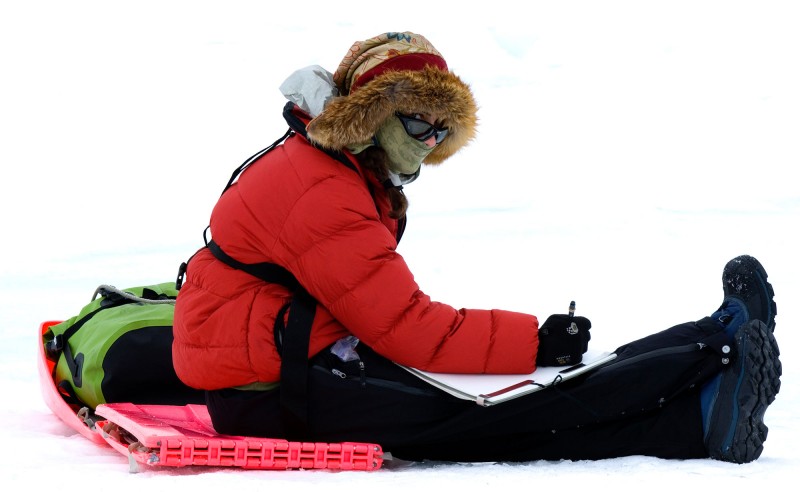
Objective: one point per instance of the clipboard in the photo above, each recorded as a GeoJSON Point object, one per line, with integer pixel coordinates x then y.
{"type": "Point", "coordinates": [491, 389]}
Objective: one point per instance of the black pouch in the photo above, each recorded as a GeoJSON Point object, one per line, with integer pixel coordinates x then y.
{"type": "Point", "coordinates": [345, 369]}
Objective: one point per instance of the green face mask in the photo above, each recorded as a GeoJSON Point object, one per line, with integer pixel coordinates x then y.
{"type": "Point", "coordinates": [405, 152]}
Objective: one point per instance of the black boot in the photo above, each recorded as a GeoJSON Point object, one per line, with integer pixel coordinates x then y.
{"type": "Point", "coordinates": [744, 281]}
{"type": "Point", "coordinates": [734, 421]}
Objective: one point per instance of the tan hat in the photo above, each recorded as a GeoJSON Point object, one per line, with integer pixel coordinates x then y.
{"type": "Point", "coordinates": [395, 72]}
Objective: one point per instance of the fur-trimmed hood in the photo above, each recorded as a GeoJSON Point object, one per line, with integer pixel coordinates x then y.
{"type": "Point", "coordinates": [354, 119]}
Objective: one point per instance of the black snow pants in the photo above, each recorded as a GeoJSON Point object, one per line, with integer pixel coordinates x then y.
{"type": "Point", "coordinates": [644, 402]}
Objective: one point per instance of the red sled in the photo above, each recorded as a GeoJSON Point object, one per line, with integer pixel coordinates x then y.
{"type": "Point", "coordinates": [77, 418]}
{"type": "Point", "coordinates": [178, 436]}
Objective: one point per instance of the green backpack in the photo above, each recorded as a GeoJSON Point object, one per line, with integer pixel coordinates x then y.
{"type": "Point", "coordinates": [119, 349]}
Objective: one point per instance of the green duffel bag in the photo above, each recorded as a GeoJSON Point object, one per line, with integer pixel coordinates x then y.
{"type": "Point", "coordinates": [119, 349]}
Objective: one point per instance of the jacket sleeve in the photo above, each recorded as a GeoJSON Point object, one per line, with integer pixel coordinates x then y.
{"type": "Point", "coordinates": [347, 259]}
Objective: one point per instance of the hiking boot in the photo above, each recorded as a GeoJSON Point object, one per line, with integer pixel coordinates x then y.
{"type": "Point", "coordinates": [744, 282]}
{"type": "Point", "coordinates": [733, 419]}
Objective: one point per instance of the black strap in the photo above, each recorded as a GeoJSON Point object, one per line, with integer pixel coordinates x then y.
{"type": "Point", "coordinates": [254, 158]}
{"type": "Point", "coordinates": [294, 365]}
{"type": "Point", "coordinates": [298, 125]}
{"type": "Point", "coordinates": [269, 272]}
{"type": "Point", "coordinates": [59, 344]}
{"type": "Point", "coordinates": [292, 339]}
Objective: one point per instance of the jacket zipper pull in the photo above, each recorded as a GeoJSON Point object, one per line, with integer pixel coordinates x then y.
{"type": "Point", "coordinates": [362, 372]}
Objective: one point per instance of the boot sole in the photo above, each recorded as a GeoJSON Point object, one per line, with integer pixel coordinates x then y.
{"type": "Point", "coordinates": [766, 291]}
{"type": "Point", "coordinates": [745, 392]}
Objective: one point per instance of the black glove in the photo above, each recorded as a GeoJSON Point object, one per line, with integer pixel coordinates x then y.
{"type": "Point", "coordinates": [563, 339]}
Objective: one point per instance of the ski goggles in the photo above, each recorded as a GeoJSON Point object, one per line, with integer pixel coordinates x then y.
{"type": "Point", "coordinates": [421, 129]}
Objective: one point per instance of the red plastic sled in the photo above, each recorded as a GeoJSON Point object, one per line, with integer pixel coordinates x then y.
{"type": "Point", "coordinates": [73, 416]}
{"type": "Point", "coordinates": [180, 436]}
{"type": "Point", "coordinates": [177, 436]}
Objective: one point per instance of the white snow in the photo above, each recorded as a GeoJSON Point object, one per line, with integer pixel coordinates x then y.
{"type": "Point", "coordinates": [626, 151]}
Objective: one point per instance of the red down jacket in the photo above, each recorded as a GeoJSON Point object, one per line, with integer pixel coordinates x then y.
{"type": "Point", "coordinates": [328, 225]}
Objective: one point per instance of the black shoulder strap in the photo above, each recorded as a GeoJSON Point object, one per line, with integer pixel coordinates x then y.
{"type": "Point", "coordinates": [298, 126]}
{"type": "Point", "coordinates": [268, 272]}
{"type": "Point", "coordinates": [292, 340]}
{"type": "Point", "coordinates": [254, 158]}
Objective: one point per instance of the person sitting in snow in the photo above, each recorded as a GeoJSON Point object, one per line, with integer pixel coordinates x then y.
{"type": "Point", "coordinates": [295, 317]}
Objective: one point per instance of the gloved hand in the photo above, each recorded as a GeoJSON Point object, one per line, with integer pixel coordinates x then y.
{"type": "Point", "coordinates": [563, 339]}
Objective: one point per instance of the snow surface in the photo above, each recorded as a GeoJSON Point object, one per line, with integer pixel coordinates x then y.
{"type": "Point", "coordinates": [627, 150]}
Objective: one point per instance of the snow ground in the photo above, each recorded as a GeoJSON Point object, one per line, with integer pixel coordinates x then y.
{"type": "Point", "coordinates": [627, 150]}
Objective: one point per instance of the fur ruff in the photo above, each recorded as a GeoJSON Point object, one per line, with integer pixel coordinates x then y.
{"type": "Point", "coordinates": [354, 119]}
